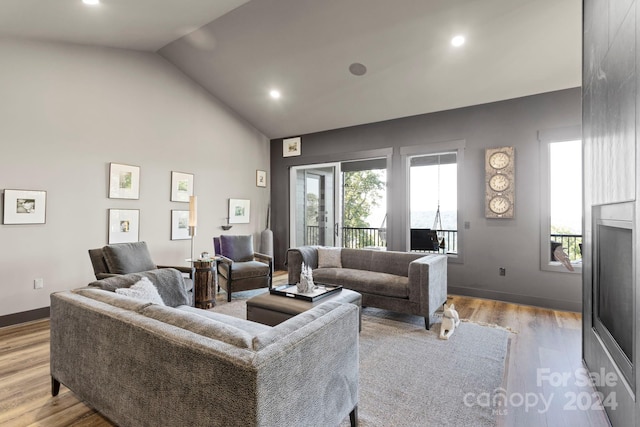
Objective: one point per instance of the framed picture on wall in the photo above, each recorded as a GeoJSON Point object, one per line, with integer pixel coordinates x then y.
{"type": "Point", "coordinates": [291, 147]}
{"type": "Point", "coordinates": [181, 186]}
{"type": "Point", "coordinates": [239, 211]}
{"type": "Point", "coordinates": [124, 225]}
{"type": "Point", "coordinates": [24, 207]}
{"type": "Point", "coordinates": [261, 178]}
{"type": "Point", "coordinates": [124, 181]}
{"type": "Point", "coordinates": [180, 225]}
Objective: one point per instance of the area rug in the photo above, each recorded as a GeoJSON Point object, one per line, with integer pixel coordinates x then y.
{"type": "Point", "coordinates": [410, 377]}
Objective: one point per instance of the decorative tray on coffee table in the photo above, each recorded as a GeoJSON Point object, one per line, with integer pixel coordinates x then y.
{"type": "Point", "coordinates": [320, 291]}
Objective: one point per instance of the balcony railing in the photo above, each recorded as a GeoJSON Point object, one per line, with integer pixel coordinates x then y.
{"type": "Point", "coordinates": [362, 237]}
{"type": "Point", "coordinates": [571, 243]}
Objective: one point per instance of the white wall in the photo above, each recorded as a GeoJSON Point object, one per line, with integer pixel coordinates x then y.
{"type": "Point", "coordinates": [66, 112]}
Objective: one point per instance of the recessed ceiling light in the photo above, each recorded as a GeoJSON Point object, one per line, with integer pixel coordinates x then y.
{"type": "Point", "coordinates": [457, 41]}
{"type": "Point", "coordinates": [91, 2]}
{"type": "Point", "coordinates": [275, 94]}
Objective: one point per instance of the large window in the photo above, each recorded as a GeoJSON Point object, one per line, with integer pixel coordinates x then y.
{"type": "Point", "coordinates": [433, 197]}
{"type": "Point", "coordinates": [433, 206]}
{"type": "Point", "coordinates": [561, 225]}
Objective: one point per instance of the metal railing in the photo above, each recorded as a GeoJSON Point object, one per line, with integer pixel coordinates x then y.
{"type": "Point", "coordinates": [571, 244]}
{"type": "Point", "coordinates": [362, 237]}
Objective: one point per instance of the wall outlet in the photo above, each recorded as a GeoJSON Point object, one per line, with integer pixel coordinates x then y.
{"type": "Point", "coordinates": [38, 283]}
{"type": "Point", "coordinates": [503, 271]}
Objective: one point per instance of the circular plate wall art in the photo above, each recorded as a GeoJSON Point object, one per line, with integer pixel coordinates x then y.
{"type": "Point", "coordinates": [500, 182]}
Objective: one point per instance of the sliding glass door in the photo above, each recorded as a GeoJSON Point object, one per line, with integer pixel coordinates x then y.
{"type": "Point", "coordinates": [315, 204]}
{"type": "Point", "coordinates": [339, 204]}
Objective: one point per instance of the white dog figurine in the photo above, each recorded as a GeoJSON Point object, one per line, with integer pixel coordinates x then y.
{"type": "Point", "coordinates": [449, 321]}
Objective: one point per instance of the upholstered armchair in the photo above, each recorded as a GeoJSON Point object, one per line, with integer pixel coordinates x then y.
{"type": "Point", "coordinates": [239, 267]}
{"type": "Point", "coordinates": [125, 258]}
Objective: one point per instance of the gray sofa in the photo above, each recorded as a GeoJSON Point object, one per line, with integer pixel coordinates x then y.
{"type": "Point", "coordinates": [403, 282]}
{"type": "Point", "coordinates": [141, 364]}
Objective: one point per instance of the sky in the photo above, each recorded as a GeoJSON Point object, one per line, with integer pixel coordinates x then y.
{"type": "Point", "coordinates": [566, 185]}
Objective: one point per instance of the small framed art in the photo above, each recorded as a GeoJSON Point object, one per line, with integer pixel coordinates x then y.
{"type": "Point", "coordinates": [24, 207]}
{"type": "Point", "coordinates": [181, 186]}
{"type": "Point", "coordinates": [291, 147]}
{"type": "Point", "coordinates": [124, 225]}
{"type": "Point", "coordinates": [239, 211]}
{"type": "Point", "coordinates": [180, 225]}
{"type": "Point", "coordinates": [261, 178]}
{"type": "Point", "coordinates": [124, 181]}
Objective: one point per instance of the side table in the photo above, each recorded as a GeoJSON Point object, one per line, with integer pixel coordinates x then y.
{"type": "Point", "coordinates": [204, 293]}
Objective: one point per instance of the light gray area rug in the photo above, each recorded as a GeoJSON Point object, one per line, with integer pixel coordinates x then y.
{"type": "Point", "coordinates": [409, 377]}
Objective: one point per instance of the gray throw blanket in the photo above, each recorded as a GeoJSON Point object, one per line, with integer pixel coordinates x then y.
{"type": "Point", "coordinates": [169, 282]}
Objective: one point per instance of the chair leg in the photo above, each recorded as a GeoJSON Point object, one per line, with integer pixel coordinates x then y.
{"type": "Point", "coordinates": [353, 417]}
{"type": "Point", "coordinates": [228, 290]}
{"type": "Point", "coordinates": [55, 387]}
{"type": "Point", "coordinates": [427, 322]}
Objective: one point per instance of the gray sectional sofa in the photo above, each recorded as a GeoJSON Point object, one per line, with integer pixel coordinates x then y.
{"type": "Point", "coordinates": [145, 364]}
{"type": "Point", "coordinates": [403, 282]}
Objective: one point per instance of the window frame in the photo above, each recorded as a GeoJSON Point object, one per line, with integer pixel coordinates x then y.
{"type": "Point", "coordinates": [406, 153]}
{"type": "Point", "coordinates": [546, 137]}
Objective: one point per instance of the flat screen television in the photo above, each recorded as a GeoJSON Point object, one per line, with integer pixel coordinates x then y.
{"type": "Point", "coordinates": [613, 282]}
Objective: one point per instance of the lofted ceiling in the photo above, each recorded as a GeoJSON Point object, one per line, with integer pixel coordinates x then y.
{"type": "Point", "coordinates": [240, 50]}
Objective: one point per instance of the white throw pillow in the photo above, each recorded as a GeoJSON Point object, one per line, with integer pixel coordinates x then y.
{"type": "Point", "coordinates": [329, 258]}
{"type": "Point", "coordinates": [142, 290]}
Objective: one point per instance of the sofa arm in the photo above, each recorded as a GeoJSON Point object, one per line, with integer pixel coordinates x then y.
{"type": "Point", "coordinates": [295, 258]}
{"type": "Point", "coordinates": [317, 361]}
{"type": "Point", "coordinates": [428, 282]}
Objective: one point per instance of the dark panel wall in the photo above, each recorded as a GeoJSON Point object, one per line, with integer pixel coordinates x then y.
{"type": "Point", "coordinates": [488, 244]}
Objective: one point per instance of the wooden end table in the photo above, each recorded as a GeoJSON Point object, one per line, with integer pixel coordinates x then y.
{"type": "Point", "coordinates": [204, 285]}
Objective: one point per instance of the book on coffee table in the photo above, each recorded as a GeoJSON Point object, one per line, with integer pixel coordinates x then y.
{"type": "Point", "coordinates": [320, 291]}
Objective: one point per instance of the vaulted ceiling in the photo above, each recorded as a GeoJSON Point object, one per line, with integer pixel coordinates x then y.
{"type": "Point", "coordinates": [241, 50]}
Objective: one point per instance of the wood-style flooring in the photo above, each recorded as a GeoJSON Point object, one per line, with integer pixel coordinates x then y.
{"type": "Point", "coordinates": [547, 343]}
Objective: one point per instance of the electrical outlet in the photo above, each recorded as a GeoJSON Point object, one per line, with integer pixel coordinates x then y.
{"type": "Point", "coordinates": [467, 225]}
{"type": "Point", "coordinates": [38, 283]}
{"type": "Point", "coordinates": [503, 271]}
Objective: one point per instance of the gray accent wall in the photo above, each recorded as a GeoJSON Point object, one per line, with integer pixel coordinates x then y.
{"type": "Point", "coordinates": [488, 244]}
{"type": "Point", "coordinates": [66, 112]}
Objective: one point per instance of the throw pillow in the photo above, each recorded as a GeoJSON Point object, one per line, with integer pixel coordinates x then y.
{"type": "Point", "coordinates": [329, 258]}
{"type": "Point", "coordinates": [142, 290]}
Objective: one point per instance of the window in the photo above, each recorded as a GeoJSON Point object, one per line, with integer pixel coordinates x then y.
{"type": "Point", "coordinates": [433, 202]}
{"type": "Point", "coordinates": [561, 224]}
{"type": "Point", "coordinates": [433, 197]}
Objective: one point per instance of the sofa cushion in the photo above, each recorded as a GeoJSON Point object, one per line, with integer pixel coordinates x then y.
{"type": "Point", "coordinates": [360, 259]}
{"type": "Point", "coordinates": [142, 290]}
{"type": "Point", "coordinates": [111, 298]}
{"type": "Point", "coordinates": [329, 257]}
{"type": "Point", "coordinates": [244, 270]}
{"type": "Point", "coordinates": [252, 328]}
{"type": "Point", "coordinates": [363, 281]}
{"type": "Point", "coordinates": [237, 248]}
{"type": "Point", "coordinates": [169, 282]}
{"type": "Point", "coordinates": [125, 258]}
{"type": "Point", "coordinates": [199, 325]}
{"type": "Point", "coordinates": [393, 262]}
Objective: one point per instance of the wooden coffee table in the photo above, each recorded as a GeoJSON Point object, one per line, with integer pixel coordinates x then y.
{"type": "Point", "coordinates": [272, 310]}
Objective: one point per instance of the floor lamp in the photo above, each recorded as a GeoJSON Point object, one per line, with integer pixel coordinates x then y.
{"type": "Point", "coordinates": [193, 220]}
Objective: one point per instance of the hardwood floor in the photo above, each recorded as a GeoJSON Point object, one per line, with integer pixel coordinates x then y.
{"type": "Point", "coordinates": [546, 344]}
